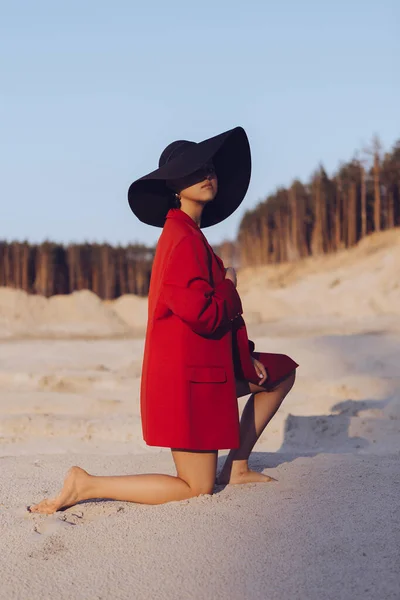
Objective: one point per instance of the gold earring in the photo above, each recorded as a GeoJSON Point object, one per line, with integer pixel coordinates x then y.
{"type": "Point", "coordinates": [177, 196]}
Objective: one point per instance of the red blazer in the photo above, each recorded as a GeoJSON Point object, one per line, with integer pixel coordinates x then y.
{"type": "Point", "coordinates": [196, 344]}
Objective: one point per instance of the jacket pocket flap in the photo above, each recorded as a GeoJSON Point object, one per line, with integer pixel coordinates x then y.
{"type": "Point", "coordinates": [206, 374]}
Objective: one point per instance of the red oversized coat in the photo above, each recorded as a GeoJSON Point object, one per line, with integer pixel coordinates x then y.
{"type": "Point", "coordinates": [196, 345]}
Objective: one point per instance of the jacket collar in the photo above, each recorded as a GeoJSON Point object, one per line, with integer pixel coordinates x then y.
{"type": "Point", "coordinates": [177, 213]}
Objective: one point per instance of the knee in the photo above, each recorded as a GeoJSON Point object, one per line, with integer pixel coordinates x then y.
{"type": "Point", "coordinates": [198, 490]}
{"type": "Point", "coordinates": [291, 379]}
{"type": "Point", "coordinates": [285, 385]}
{"type": "Point", "coordinates": [288, 383]}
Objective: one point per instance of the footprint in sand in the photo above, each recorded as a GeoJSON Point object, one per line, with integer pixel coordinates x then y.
{"type": "Point", "coordinates": [50, 526]}
{"type": "Point", "coordinates": [50, 548]}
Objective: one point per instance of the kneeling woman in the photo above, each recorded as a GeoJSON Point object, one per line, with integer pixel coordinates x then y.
{"type": "Point", "coordinates": [198, 359]}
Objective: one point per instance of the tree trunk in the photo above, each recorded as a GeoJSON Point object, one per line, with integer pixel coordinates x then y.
{"type": "Point", "coordinates": [338, 216]}
{"type": "Point", "coordinates": [316, 237]}
{"type": "Point", "coordinates": [352, 215]}
{"type": "Point", "coordinates": [377, 194]}
{"type": "Point", "coordinates": [363, 203]}
{"type": "Point", "coordinates": [390, 208]}
{"type": "Point", "coordinates": [295, 225]}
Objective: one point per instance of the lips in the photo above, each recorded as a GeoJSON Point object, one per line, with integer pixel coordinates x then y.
{"type": "Point", "coordinates": [207, 185]}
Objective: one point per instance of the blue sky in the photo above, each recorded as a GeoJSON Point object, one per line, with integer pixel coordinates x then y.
{"type": "Point", "coordinates": [91, 93]}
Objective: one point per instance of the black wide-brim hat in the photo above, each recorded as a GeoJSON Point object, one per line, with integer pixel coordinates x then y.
{"type": "Point", "coordinates": [150, 198]}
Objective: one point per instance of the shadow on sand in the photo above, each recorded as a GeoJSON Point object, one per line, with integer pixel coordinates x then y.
{"type": "Point", "coordinates": [307, 436]}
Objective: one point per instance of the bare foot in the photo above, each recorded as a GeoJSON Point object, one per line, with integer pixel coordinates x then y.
{"type": "Point", "coordinates": [247, 476]}
{"type": "Point", "coordinates": [75, 485]}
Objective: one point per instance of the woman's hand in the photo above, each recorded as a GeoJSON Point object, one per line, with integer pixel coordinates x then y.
{"type": "Point", "coordinates": [261, 371]}
{"type": "Point", "coordinates": [230, 273]}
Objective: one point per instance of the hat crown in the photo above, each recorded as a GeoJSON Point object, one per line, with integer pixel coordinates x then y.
{"type": "Point", "coordinates": [174, 150]}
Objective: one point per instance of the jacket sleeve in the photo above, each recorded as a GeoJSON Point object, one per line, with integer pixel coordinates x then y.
{"type": "Point", "coordinates": [189, 293]}
{"type": "Point", "coordinates": [251, 346]}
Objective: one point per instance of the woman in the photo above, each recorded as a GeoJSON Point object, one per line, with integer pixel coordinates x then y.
{"type": "Point", "coordinates": [197, 357]}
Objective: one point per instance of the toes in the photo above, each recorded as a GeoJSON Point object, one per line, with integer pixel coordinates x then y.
{"type": "Point", "coordinates": [43, 507]}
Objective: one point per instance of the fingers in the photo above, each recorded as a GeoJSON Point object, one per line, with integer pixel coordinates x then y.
{"type": "Point", "coordinates": [265, 374]}
{"type": "Point", "coordinates": [258, 370]}
{"type": "Point", "coordinates": [261, 371]}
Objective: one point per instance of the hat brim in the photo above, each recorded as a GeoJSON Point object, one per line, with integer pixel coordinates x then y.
{"type": "Point", "coordinates": [150, 198]}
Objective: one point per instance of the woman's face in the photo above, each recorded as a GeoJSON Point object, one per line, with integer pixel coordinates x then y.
{"type": "Point", "coordinates": [200, 186]}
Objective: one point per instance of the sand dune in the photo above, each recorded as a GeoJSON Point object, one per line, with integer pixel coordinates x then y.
{"type": "Point", "coordinates": [361, 282]}
{"type": "Point", "coordinates": [78, 314]}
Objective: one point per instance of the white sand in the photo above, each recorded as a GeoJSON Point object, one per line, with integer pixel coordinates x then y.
{"type": "Point", "coordinates": [330, 527]}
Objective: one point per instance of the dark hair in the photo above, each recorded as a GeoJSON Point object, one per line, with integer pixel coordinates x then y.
{"type": "Point", "coordinates": [174, 201]}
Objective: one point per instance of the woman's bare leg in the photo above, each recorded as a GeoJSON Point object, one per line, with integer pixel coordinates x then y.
{"type": "Point", "coordinates": [195, 476]}
{"type": "Point", "coordinates": [259, 410]}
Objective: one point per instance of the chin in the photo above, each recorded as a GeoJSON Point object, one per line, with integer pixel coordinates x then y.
{"type": "Point", "coordinates": [206, 196]}
{"type": "Point", "coordinates": [210, 196]}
